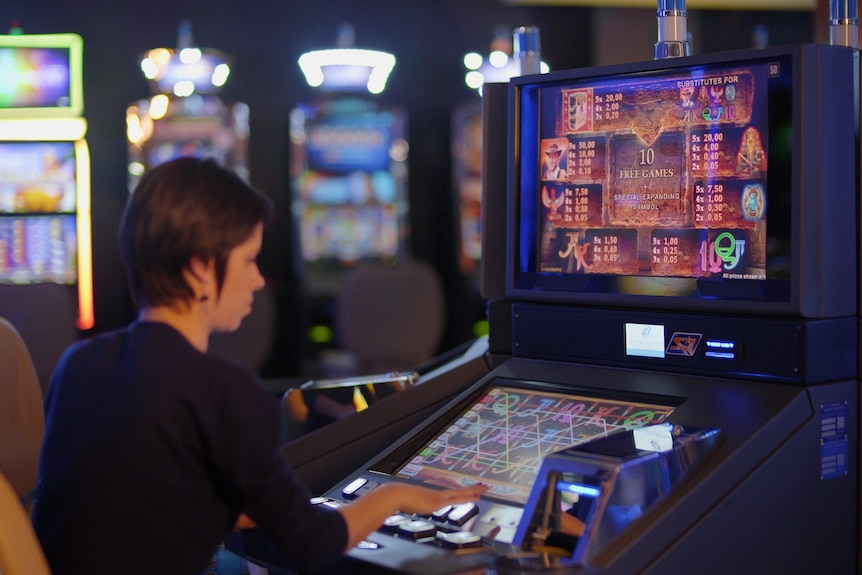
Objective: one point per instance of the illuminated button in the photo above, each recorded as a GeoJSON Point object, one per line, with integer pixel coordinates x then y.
{"type": "Point", "coordinates": [392, 522]}
{"type": "Point", "coordinates": [459, 540]}
{"type": "Point", "coordinates": [326, 502]}
{"type": "Point", "coordinates": [358, 487]}
{"type": "Point", "coordinates": [418, 529]}
{"type": "Point", "coordinates": [349, 492]}
{"type": "Point", "coordinates": [461, 514]}
{"type": "Point", "coordinates": [440, 514]}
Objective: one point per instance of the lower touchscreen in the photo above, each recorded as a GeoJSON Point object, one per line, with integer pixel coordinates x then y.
{"type": "Point", "coordinates": [501, 438]}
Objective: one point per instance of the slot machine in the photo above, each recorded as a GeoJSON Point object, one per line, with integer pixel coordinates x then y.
{"type": "Point", "coordinates": [184, 116]}
{"type": "Point", "coordinates": [349, 178]}
{"type": "Point", "coordinates": [512, 53]}
{"type": "Point", "coordinates": [673, 357]}
{"type": "Point", "coordinates": [697, 231]}
{"type": "Point", "coordinates": [45, 226]}
{"type": "Point", "coordinates": [350, 196]}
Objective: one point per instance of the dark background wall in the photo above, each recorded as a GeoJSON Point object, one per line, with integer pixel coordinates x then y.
{"type": "Point", "coordinates": [265, 38]}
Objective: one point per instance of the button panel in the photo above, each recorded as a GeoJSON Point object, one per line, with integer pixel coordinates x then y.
{"type": "Point", "coordinates": [454, 527]}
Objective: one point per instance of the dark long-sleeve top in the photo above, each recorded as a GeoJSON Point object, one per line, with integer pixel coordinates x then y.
{"type": "Point", "coordinates": [151, 451]}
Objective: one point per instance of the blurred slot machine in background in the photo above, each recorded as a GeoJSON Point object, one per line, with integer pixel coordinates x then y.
{"type": "Point", "coordinates": [184, 116]}
{"type": "Point", "coordinates": [45, 228]}
{"type": "Point", "coordinates": [350, 199]}
{"type": "Point", "coordinates": [499, 66]}
{"type": "Point", "coordinates": [508, 49]}
{"type": "Point", "coordinates": [467, 175]}
{"type": "Point", "coordinates": [349, 175]}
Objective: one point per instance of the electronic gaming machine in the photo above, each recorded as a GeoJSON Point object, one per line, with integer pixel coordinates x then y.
{"type": "Point", "coordinates": [673, 359]}
{"type": "Point", "coordinates": [45, 227]}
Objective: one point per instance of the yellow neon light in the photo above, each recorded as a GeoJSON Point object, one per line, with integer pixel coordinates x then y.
{"type": "Point", "coordinates": [359, 401]}
{"type": "Point", "coordinates": [86, 313]}
{"type": "Point", "coordinates": [44, 129]}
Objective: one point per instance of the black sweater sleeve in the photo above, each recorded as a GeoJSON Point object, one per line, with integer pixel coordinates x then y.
{"type": "Point", "coordinates": [243, 423]}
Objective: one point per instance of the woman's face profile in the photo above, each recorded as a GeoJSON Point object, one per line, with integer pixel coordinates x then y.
{"type": "Point", "coordinates": [242, 278]}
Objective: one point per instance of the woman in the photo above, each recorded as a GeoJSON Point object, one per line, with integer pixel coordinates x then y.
{"type": "Point", "coordinates": [155, 450]}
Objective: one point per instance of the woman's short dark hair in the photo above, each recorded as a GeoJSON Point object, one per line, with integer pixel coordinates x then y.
{"type": "Point", "coordinates": [181, 209]}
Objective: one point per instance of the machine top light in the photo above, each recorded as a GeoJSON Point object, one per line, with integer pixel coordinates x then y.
{"type": "Point", "coordinates": [345, 68]}
{"type": "Point", "coordinates": [186, 70]}
{"type": "Point", "coordinates": [500, 65]}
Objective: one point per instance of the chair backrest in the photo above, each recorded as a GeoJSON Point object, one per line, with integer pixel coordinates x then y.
{"type": "Point", "coordinates": [22, 415]}
{"type": "Point", "coordinates": [391, 318]}
{"type": "Point", "coordinates": [20, 552]}
{"type": "Point", "coordinates": [44, 315]}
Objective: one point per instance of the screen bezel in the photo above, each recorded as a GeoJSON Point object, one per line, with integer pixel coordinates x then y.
{"type": "Point", "coordinates": [803, 294]}
{"type": "Point", "coordinates": [73, 43]}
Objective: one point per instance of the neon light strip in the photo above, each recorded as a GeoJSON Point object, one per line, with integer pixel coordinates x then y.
{"type": "Point", "coordinates": [44, 129]}
{"type": "Point", "coordinates": [86, 313]}
{"type": "Point", "coordinates": [579, 488]}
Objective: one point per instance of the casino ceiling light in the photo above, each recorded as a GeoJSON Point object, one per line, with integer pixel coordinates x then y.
{"type": "Point", "coordinates": [500, 65]}
{"type": "Point", "coordinates": [345, 68]}
{"type": "Point", "coordinates": [186, 70]}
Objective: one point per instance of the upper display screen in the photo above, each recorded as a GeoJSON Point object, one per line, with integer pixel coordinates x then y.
{"type": "Point", "coordinates": [41, 75]}
{"type": "Point", "coordinates": [658, 176]}
{"type": "Point", "coordinates": [351, 142]}
{"type": "Point", "coordinates": [672, 181]}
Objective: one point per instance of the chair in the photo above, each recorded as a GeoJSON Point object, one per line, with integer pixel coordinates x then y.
{"type": "Point", "coordinates": [22, 415]}
{"type": "Point", "coordinates": [20, 552]}
{"type": "Point", "coordinates": [45, 316]}
{"type": "Point", "coordinates": [390, 318]}
{"type": "Point", "coordinates": [387, 319]}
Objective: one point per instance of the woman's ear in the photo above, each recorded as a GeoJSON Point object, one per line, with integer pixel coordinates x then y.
{"type": "Point", "coordinates": [200, 276]}
{"type": "Point", "coordinates": [200, 269]}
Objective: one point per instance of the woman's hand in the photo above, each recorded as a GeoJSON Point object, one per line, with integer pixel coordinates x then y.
{"type": "Point", "coordinates": [367, 513]}
{"type": "Point", "coordinates": [423, 500]}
